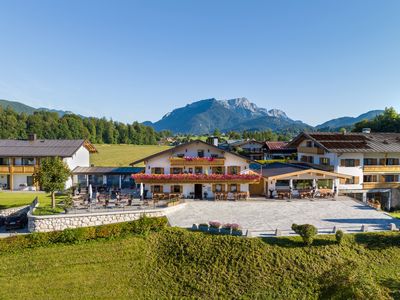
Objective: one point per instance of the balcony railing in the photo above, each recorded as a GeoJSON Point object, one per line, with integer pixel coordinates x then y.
{"type": "Point", "coordinates": [311, 150]}
{"type": "Point", "coordinates": [17, 169]}
{"type": "Point", "coordinates": [381, 168]}
{"type": "Point", "coordinates": [381, 185]}
{"type": "Point", "coordinates": [195, 178]}
{"type": "Point", "coordinates": [197, 161]}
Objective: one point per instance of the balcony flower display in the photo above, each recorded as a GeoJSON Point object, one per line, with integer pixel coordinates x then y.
{"type": "Point", "coordinates": [194, 177]}
{"type": "Point", "coordinates": [195, 158]}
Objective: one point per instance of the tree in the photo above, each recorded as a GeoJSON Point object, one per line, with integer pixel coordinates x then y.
{"type": "Point", "coordinates": [51, 176]}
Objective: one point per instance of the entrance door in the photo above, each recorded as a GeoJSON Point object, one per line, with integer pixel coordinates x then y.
{"type": "Point", "coordinates": [198, 191]}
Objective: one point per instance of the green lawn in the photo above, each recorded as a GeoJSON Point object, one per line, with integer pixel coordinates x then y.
{"type": "Point", "coordinates": [15, 199]}
{"type": "Point", "coordinates": [122, 155]}
{"type": "Point", "coordinates": [178, 264]}
{"type": "Point", "coordinates": [395, 214]}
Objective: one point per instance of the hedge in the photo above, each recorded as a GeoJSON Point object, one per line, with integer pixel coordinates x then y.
{"type": "Point", "coordinates": [142, 226]}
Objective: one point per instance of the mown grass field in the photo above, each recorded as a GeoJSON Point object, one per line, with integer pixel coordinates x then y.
{"type": "Point", "coordinates": [15, 199]}
{"type": "Point", "coordinates": [122, 155]}
{"type": "Point", "coordinates": [175, 263]}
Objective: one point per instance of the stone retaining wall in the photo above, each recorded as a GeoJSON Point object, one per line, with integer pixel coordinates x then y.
{"type": "Point", "coordinates": [10, 211]}
{"type": "Point", "coordinates": [63, 221]}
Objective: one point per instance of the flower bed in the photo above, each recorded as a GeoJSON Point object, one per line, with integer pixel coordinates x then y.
{"type": "Point", "coordinates": [156, 178]}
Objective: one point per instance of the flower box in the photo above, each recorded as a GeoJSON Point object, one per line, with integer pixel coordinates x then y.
{"type": "Point", "coordinates": [198, 178]}
{"type": "Point", "coordinates": [214, 227]}
{"type": "Point", "coordinates": [237, 232]}
{"type": "Point", "coordinates": [203, 227]}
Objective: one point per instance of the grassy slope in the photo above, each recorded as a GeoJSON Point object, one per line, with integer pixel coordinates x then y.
{"type": "Point", "coordinates": [15, 199]}
{"type": "Point", "coordinates": [180, 263]}
{"type": "Point", "coordinates": [122, 155]}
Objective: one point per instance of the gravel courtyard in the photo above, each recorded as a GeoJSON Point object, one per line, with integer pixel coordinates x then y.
{"type": "Point", "coordinates": [263, 217]}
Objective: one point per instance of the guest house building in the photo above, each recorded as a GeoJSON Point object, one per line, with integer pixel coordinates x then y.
{"type": "Point", "coordinates": [371, 159]}
{"type": "Point", "coordinates": [196, 170]}
{"type": "Point", "coordinates": [19, 159]}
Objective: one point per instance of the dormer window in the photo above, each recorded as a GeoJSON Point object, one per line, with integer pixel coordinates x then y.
{"type": "Point", "coordinates": [200, 153]}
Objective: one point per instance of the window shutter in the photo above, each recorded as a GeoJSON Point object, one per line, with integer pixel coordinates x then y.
{"type": "Point", "coordinates": [213, 188]}
{"type": "Point", "coordinates": [162, 170]}
{"type": "Point", "coordinates": [342, 181]}
{"type": "Point", "coordinates": [152, 171]}
{"type": "Point", "coordinates": [171, 171]}
{"type": "Point", "coordinates": [238, 169]}
{"type": "Point", "coordinates": [382, 161]}
{"type": "Point", "coordinates": [342, 163]}
{"type": "Point", "coordinates": [152, 188]}
{"type": "Point", "coordinates": [238, 186]}
{"type": "Point", "coordinates": [382, 178]}
{"type": "Point", "coordinates": [229, 170]}
{"type": "Point", "coordinates": [356, 162]}
{"type": "Point", "coordinates": [356, 180]}
{"type": "Point", "coordinates": [171, 189]}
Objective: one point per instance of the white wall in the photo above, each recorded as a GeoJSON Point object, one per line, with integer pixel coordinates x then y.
{"type": "Point", "coordinates": [81, 158]}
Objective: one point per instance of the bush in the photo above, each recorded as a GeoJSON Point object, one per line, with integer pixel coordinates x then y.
{"type": "Point", "coordinates": [306, 231]}
{"type": "Point", "coordinates": [339, 235]}
{"type": "Point", "coordinates": [71, 236]}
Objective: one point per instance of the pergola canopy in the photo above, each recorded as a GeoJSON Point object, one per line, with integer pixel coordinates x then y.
{"type": "Point", "coordinates": [308, 174]}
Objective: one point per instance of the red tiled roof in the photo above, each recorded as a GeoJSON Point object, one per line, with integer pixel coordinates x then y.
{"type": "Point", "coordinates": [276, 145]}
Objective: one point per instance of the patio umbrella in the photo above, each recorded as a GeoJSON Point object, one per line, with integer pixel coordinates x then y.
{"type": "Point", "coordinates": [141, 190]}
{"type": "Point", "coordinates": [90, 191]}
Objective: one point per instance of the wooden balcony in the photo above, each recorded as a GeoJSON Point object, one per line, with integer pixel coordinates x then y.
{"type": "Point", "coordinates": [197, 161]}
{"type": "Point", "coordinates": [17, 169]}
{"type": "Point", "coordinates": [310, 150]}
{"type": "Point", "coordinates": [195, 178]}
{"type": "Point", "coordinates": [382, 169]}
{"type": "Point", "coordinates": [381, 185]}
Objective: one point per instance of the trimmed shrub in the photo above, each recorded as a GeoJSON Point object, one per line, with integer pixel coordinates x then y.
{"type": "Point", "coordinates": [339, 235]}
{"type": "Point", "coordinates": [306, 231]}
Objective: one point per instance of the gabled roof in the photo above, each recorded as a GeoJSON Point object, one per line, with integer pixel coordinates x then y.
{"type": "Point", "coordinates": [189, 143]}
{"type": "Point", "coordinates": [352, 142]}
{"type": "Point", "coordinates": [284, 170]}
{"type": "Point", "coordinates": [239, 143]}
{"type": "Point", "coordinates": [43, 148]}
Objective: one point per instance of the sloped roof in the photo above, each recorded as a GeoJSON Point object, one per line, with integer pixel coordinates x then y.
{"type": "Point", "coordinates": [278, 145]}
{"type": "Point", "coordinates": [352, 142]}
{"type": "Point", "coordinates": [186, 144]}
{"type": "Point", "coordinates": [42, 148]}
{"type": "Point", "coordinates": [107, 170]}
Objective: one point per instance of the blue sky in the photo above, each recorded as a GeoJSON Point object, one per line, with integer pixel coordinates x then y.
{"type": "Point", "coordinates": [131, 60]}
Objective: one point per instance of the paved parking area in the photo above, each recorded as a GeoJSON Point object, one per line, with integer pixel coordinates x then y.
{"type": "Point", "coordinates": [268, 215]}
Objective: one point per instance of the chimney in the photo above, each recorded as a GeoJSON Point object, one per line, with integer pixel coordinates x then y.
{"type": "Point", "coordinates": [366, 130]}
{"type": "Point", "coordinates": [32, 137]}
{"type": "Point", "coordinates": [213, 140]}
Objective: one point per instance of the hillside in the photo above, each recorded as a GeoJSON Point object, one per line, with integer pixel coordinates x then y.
{"type": "Point", "coordinates": [23, 108]}
{"type": "Point", "coordinates": [179, 264]}
{"type": "Point", "coordinates": [122, 154]}
{"type": "Point", "coordinates": [336, 124]}
{"type": "Point", "coordinates": [235, 114]}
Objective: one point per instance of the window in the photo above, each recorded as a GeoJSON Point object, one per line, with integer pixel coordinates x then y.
{"type": "Point", "coordinates": [157, 170]}
{"type": "Point", "coordinates": [325, 183]}
{"type": "Point", "coordinates": [176, 189]}
{"type": "Point", "coordinates": [233, 188]}
{"type": "Point", "coordinates": [157, 188]}
{"type": "Point", "coordinates": [392, 162]}
{"type": "Point", "coordinates": [370, 161]}
{"type": "Point", "coordinates": [198, 170]}
{"type": "Point", "coordinates": [218, 188]}
{"type": "Point", "coordinates": [349, 162]}
{"type": "Point", "coordinates": [284, 183]}
{"type": "Point", "coordinates": [28, 161]}
{"type": "Point", "coordinates": [324, 161]}
{"type": "Point", "coordinates": [29, 180]}
{"type": "Point", "coordinates": [180, 155]}
{"type": "Point", "coordinates": [233, 170]}
{"type": "Point", "coordinates": [307, 159]}
{"type": "Point", "coordinates": [214, 155]}
{"type": "Point", "coordinates": [353, 180]}
{"type": "Point", "coordinates": [217, 170]}
{"type": "Point", "coordinates": [176, 170]}
{"type": "Point", "coordinates": [309, 144]}
{"type": "Point", "coordinates": [200, 153]}
{"type": "Point", "coordinates": [4, 161]}
{"type": "Point", "coordinates": [391, 178]}
{"type": "Point", "coordinates": [370, 178]}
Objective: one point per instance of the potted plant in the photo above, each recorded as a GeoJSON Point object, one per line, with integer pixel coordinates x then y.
{"type": "Point", "coordinates": [203, 227]}
{"type": "Point", "coordinates": [226, 229]}
{"type": "Point", "coordinates": [195, 227]}
{"type": "Point", "coordinates": [214, 226]}
{"type": "Point", "coordinates": [236, 230]}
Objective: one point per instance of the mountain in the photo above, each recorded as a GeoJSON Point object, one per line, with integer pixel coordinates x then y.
{"type": "Point", "coordinates": [336, 124]}
{"type": "Point", "coordinates": [235, 114]}
{"type": "Point", "coordinates": [23, 108]}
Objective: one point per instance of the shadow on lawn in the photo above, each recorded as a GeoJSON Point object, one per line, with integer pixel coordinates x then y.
{"type": "Point", "coordinates": [376, 241]}
{"type": "Point", "coordinates": [290, 242]}
{"type": "Point", "coordinates": [394, 287]}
